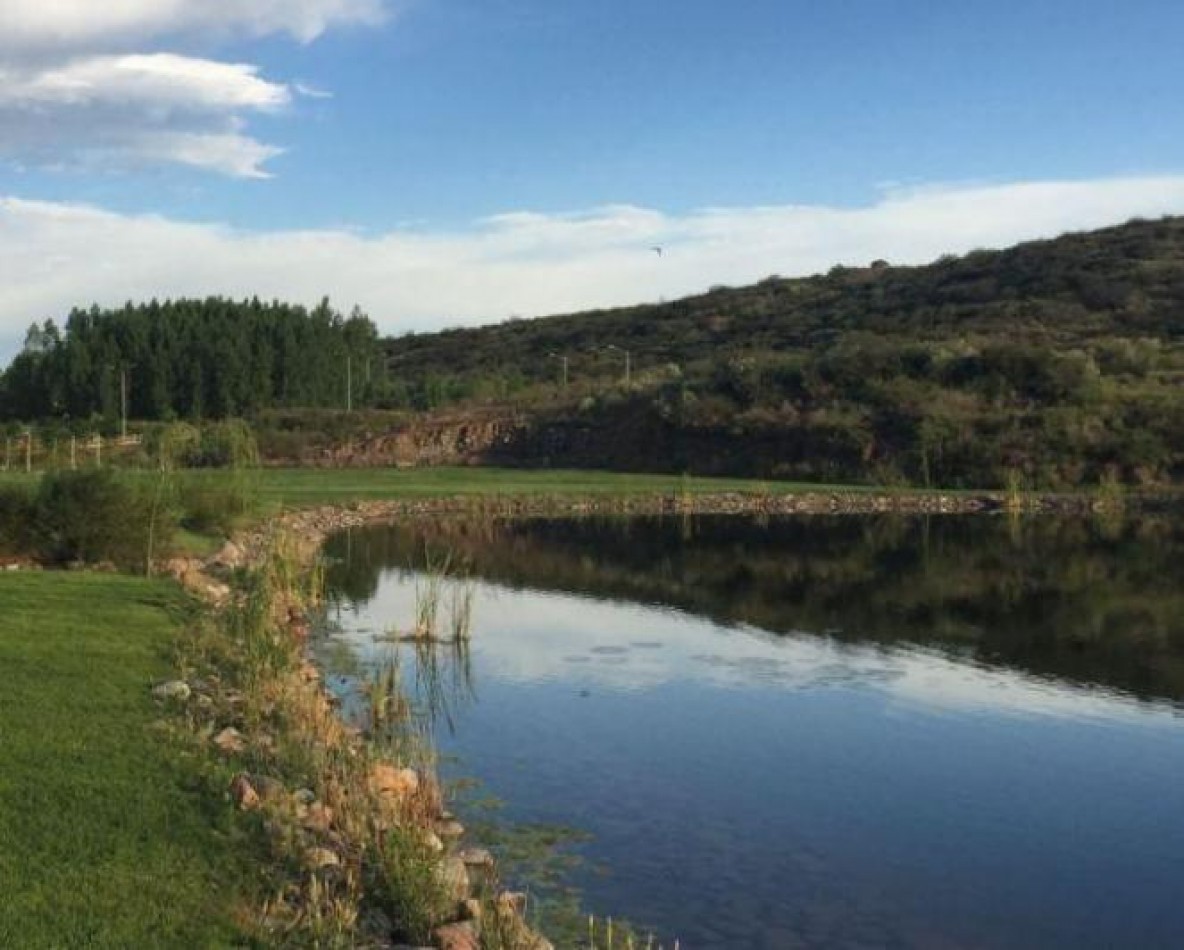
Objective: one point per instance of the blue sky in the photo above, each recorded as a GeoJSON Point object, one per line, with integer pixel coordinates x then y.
{"type": "Point", "coordinates": [562, 137]}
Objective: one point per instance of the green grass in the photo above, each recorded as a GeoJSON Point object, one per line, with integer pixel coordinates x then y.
{"type": "Point", "coordinates": [304, 487]}
{"type": "Point", "coordinates": [105, 840]}
{"type": "Point", "coordinates": [301, 487]}
{"type": "Point", "coordinates": [297, 487]}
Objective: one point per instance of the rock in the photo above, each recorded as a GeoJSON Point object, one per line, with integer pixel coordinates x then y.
{"type": "Point", "coordinates": [243, 793]}
{"type": "Point", "coordinates": [320, 858]}
{"type": "Point", "coordinates": [385, 779]}
{"type": "Point", "coordinates": [476, 858]}
{"type": "Point", "coordinates": [462, 936]}
{"type": "Point", "coordinates": [454, 879]}
{"type": "Point", "coordinates": [178, 567]}
{"type": "Point", "coordinates": [177, 690]}
{"type": "Point", "coordinates": [230, 740]}
{"type": "Point", "coordinates": [219, 592]}
{"type": "Point", "coordinates": [229, 557]}
{"type": "Point", "coordinates": [450, 829]}
{"type": "Point", "coordinates": [480, 865]}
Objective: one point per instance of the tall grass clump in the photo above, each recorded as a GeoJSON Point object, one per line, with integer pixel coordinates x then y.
{"type": "Point", "coordinates": [1111, 492]}
{"type": "Point", "coordinates": [1016, 499]}
{"type": "Point", "coordinates": [437, 580]}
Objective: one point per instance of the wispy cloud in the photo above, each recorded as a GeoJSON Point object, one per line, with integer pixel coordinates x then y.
{"type": "Point", "coordinates": [72, 93]}
{"type": "Point", "coordinates": [54, 256]}
{"type": "Point", "coordinates": [131, 109]}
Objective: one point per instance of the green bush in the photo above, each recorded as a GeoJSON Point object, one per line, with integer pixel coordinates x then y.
{"type": "Point", "coordinates": [16, 521]}
{"type": "Point", "coordinates": [95, 516]}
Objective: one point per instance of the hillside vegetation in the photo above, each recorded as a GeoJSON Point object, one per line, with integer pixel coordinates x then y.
{"type": "Point", "coordinates": [1057, 363]}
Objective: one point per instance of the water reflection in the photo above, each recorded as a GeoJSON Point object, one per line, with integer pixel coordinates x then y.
{"type": "Point", "coordinates": [1084, 601]}
{"type": "Point", "coordinates": [829, 732]}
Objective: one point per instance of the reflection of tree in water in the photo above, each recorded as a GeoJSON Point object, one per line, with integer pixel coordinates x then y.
{"type": "Point", "coordinates": [1090, 601]}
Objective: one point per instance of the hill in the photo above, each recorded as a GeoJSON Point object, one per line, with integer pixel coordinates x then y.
{"type": "Point", "coordinates": [1055, 362]}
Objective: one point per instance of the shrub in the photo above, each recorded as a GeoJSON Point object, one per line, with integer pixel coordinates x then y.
{"type": "Point", "coordinates": [94, 516]}
{"type": "Point", "coordinates": [16, 521]}
{"type": "Point", "coordinates": [209, 505]}
{"type": "Point", "coordinates": [227, 444]}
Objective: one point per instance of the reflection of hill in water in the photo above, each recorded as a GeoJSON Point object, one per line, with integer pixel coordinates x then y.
{"type": "Point", "coordinates": [1094, 603]}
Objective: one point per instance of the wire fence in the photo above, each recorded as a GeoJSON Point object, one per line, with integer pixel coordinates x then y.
{"type": "Point", "coordinates": [29, 453]}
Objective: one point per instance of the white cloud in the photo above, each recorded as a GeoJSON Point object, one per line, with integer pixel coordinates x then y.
{"type": "Point", "coordinates": [54, 256]}
{"type": "Point", "coordinates": [136, 109]}
{"type": "Point", "coordinates": [31, 25]}
{"type": "Point", "coordinates": [71, 94]}
{"type": "Point", "coordinates": [161, 82]}
{"type": "Point", "coordinates": [229, 153]}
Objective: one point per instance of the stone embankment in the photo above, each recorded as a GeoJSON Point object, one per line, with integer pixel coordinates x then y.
{"type": "Point", "coordinates": [330, 833]}
{"type": "Point", "coordinates": [310, 527]}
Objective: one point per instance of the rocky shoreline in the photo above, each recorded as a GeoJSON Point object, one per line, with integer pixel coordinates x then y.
{"type": "Point", "coordinates": [335, 827]}
{"type": "Point", "coordinates": [311, 526]}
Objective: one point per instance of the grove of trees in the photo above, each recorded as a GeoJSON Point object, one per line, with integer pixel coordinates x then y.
{"type": "Point", "coordinates": [192, 359]}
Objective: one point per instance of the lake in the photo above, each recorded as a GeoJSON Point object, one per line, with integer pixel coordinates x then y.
{"type": "Point", "coordinates": [847, 731]}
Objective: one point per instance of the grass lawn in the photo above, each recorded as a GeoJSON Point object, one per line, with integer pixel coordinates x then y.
{"type": "Point", "coordinates": [296, 487]}
{"type": "Point", "coordinates": [101, 843]}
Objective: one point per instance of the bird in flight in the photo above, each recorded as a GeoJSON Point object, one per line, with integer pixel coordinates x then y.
{"type": "Point", "coordinates": [657, 250]}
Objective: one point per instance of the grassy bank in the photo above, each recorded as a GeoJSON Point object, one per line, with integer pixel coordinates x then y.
{"type": "Point", "coordinates": [105, 841]}
{"type": "Point", "coordinates": [296, 487]}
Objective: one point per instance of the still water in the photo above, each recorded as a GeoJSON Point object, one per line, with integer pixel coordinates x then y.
{"type": "Point", "coordinates": [957, 732]}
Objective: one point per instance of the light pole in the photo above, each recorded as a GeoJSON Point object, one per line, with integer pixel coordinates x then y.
{"type": "Point", "coordinates": [123, 403]}
{"type": "Point", "coordinates": [123, 368]}
{"type": "Point", "coordinates": [628, 360]}
{"type": "Point", "coordinates": [563, 360]}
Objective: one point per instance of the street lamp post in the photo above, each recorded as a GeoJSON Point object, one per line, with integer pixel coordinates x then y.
{"type": "Point", "coordinates": [628, 360]}
{"type": "Point", "coordinates": [123, 368]}
{"type": "Point", "coordinates": [563, 360]}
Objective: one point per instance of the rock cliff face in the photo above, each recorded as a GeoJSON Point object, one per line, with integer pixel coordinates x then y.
{"type": "Point", "coordinates": [638, 441]}
{"type": "Point", "coordinates": [450, 439]}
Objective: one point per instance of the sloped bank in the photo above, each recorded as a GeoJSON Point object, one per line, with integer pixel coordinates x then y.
{"type": "Point", "coordinates": [362, 852]}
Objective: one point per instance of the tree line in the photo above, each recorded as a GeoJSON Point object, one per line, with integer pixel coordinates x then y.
{"type": "Point", "coordinates": [192, 359]}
